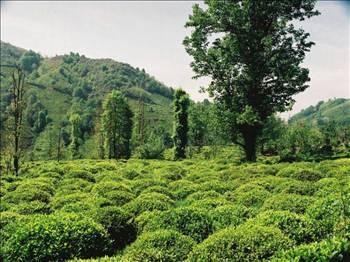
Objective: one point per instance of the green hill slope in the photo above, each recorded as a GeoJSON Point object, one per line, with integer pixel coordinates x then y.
{"type": "Point", "coordinates": [337, 110]}
{"type": "Point", "coordinates": [62, 85]}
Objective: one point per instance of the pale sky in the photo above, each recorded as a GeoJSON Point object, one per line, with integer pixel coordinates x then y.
{"type": "Point", "coordinates": [149, 35]}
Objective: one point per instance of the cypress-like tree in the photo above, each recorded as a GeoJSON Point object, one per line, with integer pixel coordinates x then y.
{"type": "Point", "coordinates": [117, 126]}
{"type": "Point", "coordinates": [75, 120]}
{"type": "Point", "coordinates": [181, 104]}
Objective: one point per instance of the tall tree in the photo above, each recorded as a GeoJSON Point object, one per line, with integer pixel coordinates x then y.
{"type": "Point", "coordinates": [117, 125]}
{"type": "Point", "coordinates": [181, 104]}
{"type": "Point", "coordinates": [253, 54]}
{"type": "Point", "coordinates": [16, 114]}
{"type": "Point", "coordinates": [76, 140]}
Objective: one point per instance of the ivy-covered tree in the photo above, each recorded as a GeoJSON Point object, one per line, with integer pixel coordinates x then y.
{"type": "Point", "coordinates": [76, 139]}
{"type": "Point", "coordinates": [117, 126]}
{"type": "Point", "coordinates": [181, 104]}
{"type": "Point", "coordinates": [253, 53]}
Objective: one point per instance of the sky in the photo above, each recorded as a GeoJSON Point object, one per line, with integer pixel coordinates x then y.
{"type": "Point", "coordinates": [149, 35]}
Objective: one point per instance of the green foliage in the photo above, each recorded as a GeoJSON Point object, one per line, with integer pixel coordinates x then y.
{"type": "Point", "coordinates": [181, 104]}
{"type": "Point", "coordinates": [116, 221]}
{"type": "Point", "coordinates": [162, 245]}
{"type": "Point", "coordinates": [327, 212]}
{"type": "Point", "coordinates": [30, 61]}
{"type": "Point", "coordinates": [334, 249]}
{"type": "Point", "coordinates": [117, 125]}
{"type": "Point", "coordinates": [82, 174]}
{"type": "Point", "coordinates": [297, 227]}
{"type": "Point", "coordinates": [41, 238]}
{"type": "Point", "coordinates": [244, 243]}
{"type": "Point", "coordinates": [149, 202]}
{"type": "Point", "coordinates": [288, 202]}
{"type": "Point", "coordinates": [227, 211]}
{"type": "Point", "coordinates": [152, 149]}
{"type": "Point", "coordinates": [242, 47]}
{"type": "Point", "coordinates": [229, 215]}
{"type": "Point", "coordinates": [190, 221]}
{"type": "Point", "coordinates": [302, 174]}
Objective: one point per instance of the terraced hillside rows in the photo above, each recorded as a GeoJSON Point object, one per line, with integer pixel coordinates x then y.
{"type": "Point", "coordinates": [176, 211]}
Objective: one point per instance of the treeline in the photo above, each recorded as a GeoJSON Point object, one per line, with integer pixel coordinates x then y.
{"type": "Point", "coordinates": [116, 131]}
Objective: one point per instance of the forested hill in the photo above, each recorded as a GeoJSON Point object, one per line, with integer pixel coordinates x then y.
{"type": "Point", "coordinates": [60, 86]}
{"type": "Point", "coordinates": [337, 110]}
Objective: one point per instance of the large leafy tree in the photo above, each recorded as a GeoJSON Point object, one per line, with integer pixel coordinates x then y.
{"type": "Point", "coordinates": [253, 54]}
{"type": "Point", "coordinates": [117, 126]}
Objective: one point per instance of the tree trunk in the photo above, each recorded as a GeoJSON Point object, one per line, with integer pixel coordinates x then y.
{"type": "Point", "coordinates": [250, 134]}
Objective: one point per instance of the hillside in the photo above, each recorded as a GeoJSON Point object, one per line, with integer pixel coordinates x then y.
{"type": "Point", "coordinates": [337, 110]}
{"type": "Point", "coordinates": [63, 85]}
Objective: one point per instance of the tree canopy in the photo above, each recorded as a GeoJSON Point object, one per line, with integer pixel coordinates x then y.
{"type": "Point", "coordinates": [253, 53]}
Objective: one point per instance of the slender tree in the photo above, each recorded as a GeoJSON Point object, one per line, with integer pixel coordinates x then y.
{"type": "Point", "coordinates": [117, 126]}
{"type": "Point", "coordinates": [16, 114]}
{"type": "Point", "coordinates": [253, 54]}
{"type": "Point", "coordinates": [75, 120]}
{"type": "Point", "coordinates": [181, 104]}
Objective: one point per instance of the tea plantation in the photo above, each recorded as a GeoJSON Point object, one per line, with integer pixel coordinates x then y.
{"type": "Point", "coordinates": [138, 210]}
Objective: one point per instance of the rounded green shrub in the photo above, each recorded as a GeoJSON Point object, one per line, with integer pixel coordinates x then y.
{"type": "Point", "coordinates": [119, 197]}
{"type": "Point", "coordinates": [297, 227]}
{"type": "Point", "coordinates": [215, 185]}
{"type": "Point", "coordinates": [172, 172]}
{"type": "Point", "coordinates": [327, 186]}
{"type": "Point", "coordinates": [55, 237]}
{"type": "Point", "coordinates": [71, 185]}
{"type": "Point", "coordinates": [33, 207]}
{"type": "Point", "coordinates": [303, 174]}
{"type": "Point", "coordinates": [182, 188]}
{"type": "Point", "coordinates": [149, 202]}
{"type": "Point", "coordinates": [161, 245]}
{"type": "Point", "coordinates": [104, 187]}
{"type": "Point", "coordinates": [252, 196]}
{"type": "Point", "coordinates": [210, 203]}
{"type": "Point", "coordinates": [141, 184]}
{"type": "Point", "coordinates": [190, 221]}
{"type": "Point", "coordinates": [141, 220]}
{"type": "Point", "coordinates": [296, 187]}
{"type": "Point", "coordinates": [229, 215]}
{"type": "Point", "coordinates": [327, 212]}
{"type": "Point", "coordinates": [244, 243]}
{"type": "Point", "coordinates": [23, 194]}
{"type": "Point", "coordinates": [202, 195]}
{"type": "Point", "coordinates": [334, 249]}
{"type": "Point", "coordinates": [117, 223]}
{"type": "Point", "coordinates": [82, 174]}
{"type": "Point", "coordinates": [158, 189]}
{"type": "Point", "coordinates": [288, 202]}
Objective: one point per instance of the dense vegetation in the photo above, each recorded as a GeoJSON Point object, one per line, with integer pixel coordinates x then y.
{"type": "Point", "coordinates": [62, 87]}
{"type": "Point", "coordinates": [193, 210]}
{"type": "Point", "coordinates": [334, 110]}
{"type": "Point", "coordinates": [226, 180]}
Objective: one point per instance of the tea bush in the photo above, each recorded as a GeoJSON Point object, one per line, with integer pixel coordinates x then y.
{"type": "Point", "coordinates": [229, 215]}
{"type": "Point", "coordinates": [192, 210]}
{"type": "Point", "coordinates": [190, 221]}
{"type": "Point", "coordinates": [288, 202]}
{"type": "Point", "coordinates": [149, 202]}
{"type": "Point", "coordinates": [42, 238]}
{"type": "Point", "coordinates": [161, 245]}
{"type": "Point", "coordinates": [86, 175]}
{"type": "Point", "coordinates": [117, 223]}
{"type": "Point", "coordinates": [244, 243]}
{"type": "Point", "coordinates": [297, 227]}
